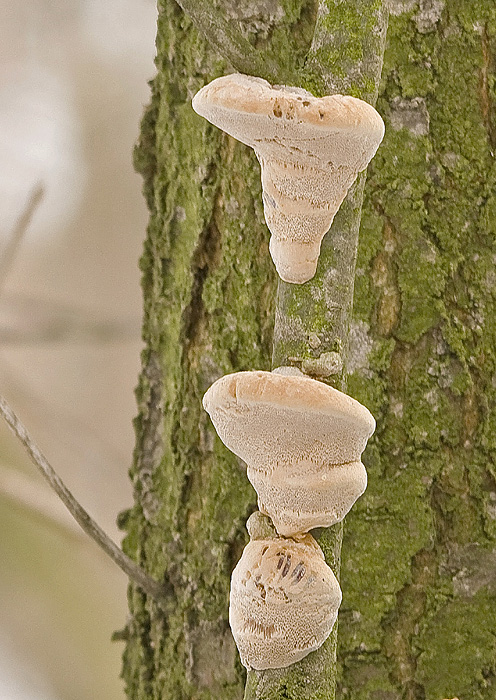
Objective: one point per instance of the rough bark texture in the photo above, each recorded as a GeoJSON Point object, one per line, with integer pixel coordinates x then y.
{"type": "Point", "coordinates": [419, 565]}
{"type": "Point", "coordinates": [418, 618]}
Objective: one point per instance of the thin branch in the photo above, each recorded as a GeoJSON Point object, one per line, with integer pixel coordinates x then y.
{"type": "Point", "coordinates": [90, 527]}
{"type": "Point", "coordinates": [229, 42]}
{"type": "Point", "coordinates": [18, 233]}
{"type": "Point", "coordinates": [337, 62]}
{"type": "Point", "coordinates": [347, 61]}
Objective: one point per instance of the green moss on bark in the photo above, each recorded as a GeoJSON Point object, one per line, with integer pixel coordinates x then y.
{"type": "Point", "coordinates": [425, 309]}
{"type": "Point", "coordinates": [347, 49]}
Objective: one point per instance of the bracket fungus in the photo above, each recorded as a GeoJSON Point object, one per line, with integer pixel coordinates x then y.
{"type": "Point", "coordinates": [310, 151]}
{"type": "Point", "coordinates": [284, 601]}
{"type": "Point", "coordinates": [301, 440]}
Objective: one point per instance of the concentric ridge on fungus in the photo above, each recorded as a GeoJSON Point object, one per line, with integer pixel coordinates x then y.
{"type": "Point", "coordinates": [310, 151]}
{"type": "Point", "coordinates": [301, 440]}
{"type": "Point", "coordinates": [284, 601]}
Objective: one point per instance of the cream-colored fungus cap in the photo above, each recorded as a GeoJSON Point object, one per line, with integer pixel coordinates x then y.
{"type": "Point", "coordinates": [284, 601]}
{"type": "Point", "coordinates": [301, 440]}
{"type": "Point", "coordinates": [310, 151]}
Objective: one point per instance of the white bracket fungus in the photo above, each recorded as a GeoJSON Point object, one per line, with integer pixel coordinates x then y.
{"type": "Point", "coordinates": [284, 601]}
{"type": "Point", "coordinates": [310, 151]}
{"type": "Point", "coordinates": [301, 440]}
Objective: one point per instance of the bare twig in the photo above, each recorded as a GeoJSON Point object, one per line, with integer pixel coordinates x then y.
{"type": "Point", "coordinates": [90, 527]}
{"type": "Point", "coordinates": [18, 232]}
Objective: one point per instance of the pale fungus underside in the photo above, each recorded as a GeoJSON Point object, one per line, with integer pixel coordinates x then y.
{"type": "Point", "coordinates": [310, 152]}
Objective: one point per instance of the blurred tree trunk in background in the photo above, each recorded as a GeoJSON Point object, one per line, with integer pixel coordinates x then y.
{"type": "Point", "coordinates": [418, 618]}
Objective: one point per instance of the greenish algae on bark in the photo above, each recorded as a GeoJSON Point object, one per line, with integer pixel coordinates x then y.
{"type": "Point", "coordinates": [418, 572]}
{"type": "Point", "coordinates": [312, 320]}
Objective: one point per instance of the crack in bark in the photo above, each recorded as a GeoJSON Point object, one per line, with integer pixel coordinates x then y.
{"type": "Point", "coordinates": [401, 628]}
{"type": "Point", "coordinates": [487, 103]}
{"type": "Point", "coordinates": [384, 274]}
{"type": "Point", "coordinates": [205, 258]}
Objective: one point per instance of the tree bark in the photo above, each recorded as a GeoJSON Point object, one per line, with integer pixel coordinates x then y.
{"type": "Point", "coordinates": [209, 288]}
{"type": "Point", "coordinates": [419, 564]}
{"type": "Point", "coordinates": [418, 618]}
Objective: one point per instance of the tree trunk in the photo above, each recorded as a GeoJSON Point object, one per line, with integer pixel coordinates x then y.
{"type": "Point", "coordinates": [419, 557]}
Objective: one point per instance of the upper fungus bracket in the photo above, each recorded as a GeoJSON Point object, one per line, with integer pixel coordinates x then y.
{"type": "Point", "coordinates": [310, 152]}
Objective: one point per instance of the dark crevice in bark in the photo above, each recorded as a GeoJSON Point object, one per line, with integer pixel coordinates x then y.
{"type": "Point", "coordinates": [487, 101]}
{"type": "Point", "coordinates": [205, 258]}
{"type": "Point", "coordinates": [307, 23]}
{"type": "Point", "coordinates": [384, 274]}
{"type": "Point", "coordinates": [400, 630]}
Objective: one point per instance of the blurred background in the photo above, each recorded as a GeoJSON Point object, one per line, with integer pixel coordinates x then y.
{"type": "Point", "coordinates": [73, 82]}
